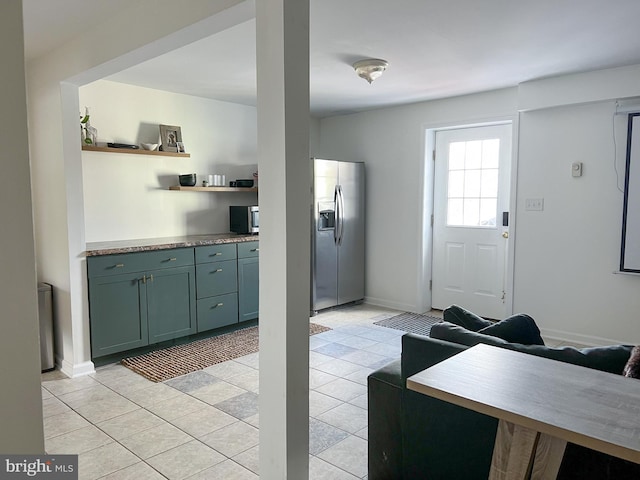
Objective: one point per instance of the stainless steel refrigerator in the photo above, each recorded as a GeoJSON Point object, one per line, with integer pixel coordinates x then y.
{"type": "Point", "coordinates": [337, 236]}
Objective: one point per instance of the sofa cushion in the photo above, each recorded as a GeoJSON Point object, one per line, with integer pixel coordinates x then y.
{"type": "Point", "coordinates": [610, 359]}
{"type": "Point", "coordinates": [519, 328]}
{"type": "Point", "coordinates": [464, 318]}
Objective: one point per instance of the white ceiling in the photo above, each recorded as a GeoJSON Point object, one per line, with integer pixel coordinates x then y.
{"type": "Point", "coordinates": [435, 49]}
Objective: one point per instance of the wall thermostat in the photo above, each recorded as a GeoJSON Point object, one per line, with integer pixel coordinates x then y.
{"type": "Point", "coordinates": [576, 169]}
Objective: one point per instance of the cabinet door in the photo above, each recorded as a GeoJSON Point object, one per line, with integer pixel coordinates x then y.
{"type": "Point", "coordinates": [118, 313]}
{"type": "Point", "coordinates": [248, 288]}
{"type": "Point", "coordinates": [171, 303]}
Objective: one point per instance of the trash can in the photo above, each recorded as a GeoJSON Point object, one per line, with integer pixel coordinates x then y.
{"type": "Point", "coordinates": [45, 316]}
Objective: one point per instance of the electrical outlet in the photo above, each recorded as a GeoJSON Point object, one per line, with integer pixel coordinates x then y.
{"type": "Point", "coordinates": [534, 204]}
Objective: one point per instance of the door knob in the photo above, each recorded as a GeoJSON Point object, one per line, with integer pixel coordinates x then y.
{"type": "Point", "coordinates": [505, 234]}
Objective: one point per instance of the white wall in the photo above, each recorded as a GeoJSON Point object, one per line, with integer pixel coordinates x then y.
{"type": "Point", "coordinates": [564, 255]}
{"type": "Point", "coordinates": [127, 196]}
{"type": "Point", "coordinates": [391, 142]}
{"type": "Point", "coordinates": [20, 401]}
{"type": "Point", "coordinates": [119, 42]}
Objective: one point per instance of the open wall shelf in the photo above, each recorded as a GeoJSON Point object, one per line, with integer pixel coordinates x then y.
{"type": "Point", "coordinates": [134, 151]}
{"type": "Point", "coordinates": [214, 189]}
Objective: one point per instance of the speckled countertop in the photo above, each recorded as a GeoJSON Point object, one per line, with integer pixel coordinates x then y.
{"type": "Point", "coordinates": [148, 244]}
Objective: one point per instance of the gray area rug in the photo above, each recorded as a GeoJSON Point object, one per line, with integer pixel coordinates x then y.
{"type": "Point", "coordinates": [410, 322]}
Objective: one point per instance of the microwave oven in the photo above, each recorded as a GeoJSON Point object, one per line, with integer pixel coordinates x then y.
{"type": "Point", "coordinates": [244, 219]}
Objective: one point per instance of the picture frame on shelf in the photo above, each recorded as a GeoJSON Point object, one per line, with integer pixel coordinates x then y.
{"type": "Point", "coordinates": [170, 137]}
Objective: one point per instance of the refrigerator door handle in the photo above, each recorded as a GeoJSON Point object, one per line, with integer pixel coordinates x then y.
{"type": "Point", "coordinates": [339, 215]}
{"type": "Point", "coordinates": [336, 219]}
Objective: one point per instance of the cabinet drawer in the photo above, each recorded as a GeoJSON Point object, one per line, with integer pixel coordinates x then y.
{"type": "Point", "coordinates": [139, 261]}
{"type": "Point", "coordinates": [219, 311]}
{"type": "Point", "coordinates": [248, 249]}
{"type": "Point", "coordinates": [216, 278]}
{"type": "Point", "coordinates": [216, 253]}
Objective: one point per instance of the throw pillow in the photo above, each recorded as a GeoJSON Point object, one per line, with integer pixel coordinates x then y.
{"type": "Point", "coordinates": [464, 318]}
{"type": "Point", "coordinates": [632, 368]}
{"type": "Point", "coordinates": [520, 328]}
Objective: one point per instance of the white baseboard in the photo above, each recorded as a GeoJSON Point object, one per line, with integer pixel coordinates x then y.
{"type": "Point", "coordinates": [381, 302]}
{"type": "Point", "coordinates": [576, 338]}
{"type": "Point", "coordinates": [75, 370]}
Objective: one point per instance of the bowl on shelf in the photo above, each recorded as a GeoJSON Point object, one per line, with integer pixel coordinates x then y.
{"type": "Point", "coordinates": [149, 146]}
{"type": "Point", "coordinates": [187, 180]}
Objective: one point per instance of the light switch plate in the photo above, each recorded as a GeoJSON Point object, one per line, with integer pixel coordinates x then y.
{"type": "Point", "coordinates": [576, 169]}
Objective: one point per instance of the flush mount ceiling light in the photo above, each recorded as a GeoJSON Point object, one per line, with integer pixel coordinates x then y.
{"type": "Point", "coordinates": [370, 68]}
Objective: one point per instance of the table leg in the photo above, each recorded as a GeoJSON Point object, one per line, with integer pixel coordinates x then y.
{"type": "Point", "coordinates": [548, 457]}
{"type": "Point", "coordinates": [521, 453]}
{"type": "Point", "coordinates": [513, 452]}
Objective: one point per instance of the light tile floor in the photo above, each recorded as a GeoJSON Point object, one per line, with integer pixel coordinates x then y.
{"type": "Point", "coordinates": [204, 425]}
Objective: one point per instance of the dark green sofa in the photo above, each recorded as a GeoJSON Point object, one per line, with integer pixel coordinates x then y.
{"type": "Point", "coordinates": [413, 436]}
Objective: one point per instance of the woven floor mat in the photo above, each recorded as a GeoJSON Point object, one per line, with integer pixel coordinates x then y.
{"type": "Point", "coordinates": [171, 362]}
{"type": "Point", "coordinates": [410, 322]}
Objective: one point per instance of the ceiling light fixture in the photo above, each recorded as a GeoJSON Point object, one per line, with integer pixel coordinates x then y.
{"type": "Point", "coordinates": [370, 68]}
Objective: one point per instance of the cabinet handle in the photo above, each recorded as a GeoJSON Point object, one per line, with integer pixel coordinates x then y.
{"type": "Point", "coordinates": [255, 249]}
{"type": "Point", "coordinates": [218, 305]}
{"type": "Point", "coordinates": [119, 265]}
{"type": "Point", "coordinates": [144, 279]}
{"type": "Point", "coordinates": [151, 277]}
{"type": "Point", "coordinates": [218, 270]}
{"type": "Point", "coordinates": [173, 259]}
{"type": "Point", "coordinates": [217, 254]}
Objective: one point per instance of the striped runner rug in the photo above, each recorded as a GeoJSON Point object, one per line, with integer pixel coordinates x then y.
{"type": "Point", "coordinates": [161, 365]}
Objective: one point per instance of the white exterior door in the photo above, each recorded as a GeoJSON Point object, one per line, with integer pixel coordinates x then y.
{"type": "Point", "coordinates": [470, 242]}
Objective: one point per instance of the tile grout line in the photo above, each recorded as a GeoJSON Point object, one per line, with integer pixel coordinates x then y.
{"type": "Point", "coordinates": [355, 333]}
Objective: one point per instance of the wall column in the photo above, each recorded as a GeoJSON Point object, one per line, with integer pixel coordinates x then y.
{"type": "Point", "coordinates": [21, 399]}
{"type": "Point", "coordinates": [284, 166]}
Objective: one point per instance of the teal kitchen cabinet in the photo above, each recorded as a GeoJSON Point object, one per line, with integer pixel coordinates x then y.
{"type": "Point", "coordinates": [171, 303]}
{"type": "Point", "coordinates": [216, 278]}
{"type": "Point", "coordinates": [118, 313]}
{"type": "Point", "coordinates": [248, 286]}
{"type": "Point", "coordinates": [216, 286]}
{"type": "Point", "coordinates": [216, 253]}
{"type": "Point", "coordinates": [138, 299]}
{"type": "Point", "coordinates": [218, 311]}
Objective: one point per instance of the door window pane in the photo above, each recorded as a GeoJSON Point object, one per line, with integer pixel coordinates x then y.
{"type": "Point", "coordinates": [456, 155]}
{"type": "Point", "coordinates": [489, 186]}
{"type": "Point", "coordinates": [472, 191]}
{"type": "Point", "coordinates": [471, 214]}
{"type": "Point", "coordinates": [490, 153]}
{"type": "Point", "coordinates": [456, 184]}
{"type": "Point", "coordinates": [488, 208]}
{"type": "Point", "coordinates": [473, 155]}
{"type": "Point", "coordinates": [472, 183]}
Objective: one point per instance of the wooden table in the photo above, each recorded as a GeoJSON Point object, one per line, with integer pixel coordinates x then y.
{"type": "Point", "coordinates": [541, 405]}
